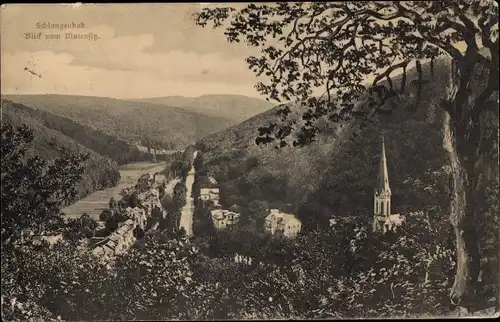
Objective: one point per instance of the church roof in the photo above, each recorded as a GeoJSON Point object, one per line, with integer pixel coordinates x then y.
{"type": "Point", "coordinates": [383, 175]}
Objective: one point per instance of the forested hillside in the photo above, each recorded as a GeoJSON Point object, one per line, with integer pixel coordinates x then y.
{"type": "Point", "coordinates": [118, 150]}
{"type": "Point", "coordinates": [237, 108]}
{"type": "Point", "coordinates": [49, 144]}
{"type": "Point", "coordinates": [336, 174]}
{"type": "Point", "coordinates": [129, 120]}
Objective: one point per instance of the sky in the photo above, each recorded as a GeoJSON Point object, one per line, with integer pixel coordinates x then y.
{"type": "Point", "coordinates": [143, 50]}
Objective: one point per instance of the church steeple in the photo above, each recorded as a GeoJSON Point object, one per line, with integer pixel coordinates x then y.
{"type": "Point", "coordinates": [383, 187]}
{"type": "Point", "coordinates": [383, 219]}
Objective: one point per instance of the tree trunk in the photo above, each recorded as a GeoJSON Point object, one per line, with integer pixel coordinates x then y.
{"type": "Point", "coordinates": [498, 283]}
{"type": "Point", "coordinates": [462, 219]}
{"type": "Point", "coordinates": [432, 68]}
{"type": "Point", "coordinates": [403, 80]}
{"type": "Point", "coordinates": [471, 140]}
{"type": "Point", "coordinates": [419, 86]}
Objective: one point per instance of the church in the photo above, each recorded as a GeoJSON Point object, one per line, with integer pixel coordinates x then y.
{"type": "Point", "coordinates": [383, 220]}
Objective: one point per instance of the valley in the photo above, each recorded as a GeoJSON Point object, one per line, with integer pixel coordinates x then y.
{"type": "Point", "coordinates": [98, 201]}
{"type": "Point", "coordinates": [325, 187]}
{"type": "Point", "coordinates": [138, 121]}
{"type": "Point", "coordinates": [271, 161]}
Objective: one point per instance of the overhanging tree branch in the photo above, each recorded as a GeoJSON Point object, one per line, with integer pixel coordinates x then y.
{"type": "Point", "coordinates": [389, 70]}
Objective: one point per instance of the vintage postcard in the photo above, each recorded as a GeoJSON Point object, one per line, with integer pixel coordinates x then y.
{"type": "Point", "coordinates": [242, 161]}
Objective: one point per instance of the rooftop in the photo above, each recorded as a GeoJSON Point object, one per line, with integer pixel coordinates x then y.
{"type": "Point", "coordinates": [280, 217]}
{"type": "Point", "coordinates": [222, 213]}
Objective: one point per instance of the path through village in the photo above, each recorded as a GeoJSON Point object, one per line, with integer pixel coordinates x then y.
{"type": "Point", "coordinates": [188, 209]}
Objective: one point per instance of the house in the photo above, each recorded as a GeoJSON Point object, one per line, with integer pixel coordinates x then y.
{"type": "Point", "coordinates": [137, 215]}
{"type": "Point", "coordinates": [50, 240]}
{"type": "Point", "coordinates": [242, 259]}
{"type": "Point", "coordinates": [209, 194]}
{"type": "Point", "coordinates": [280, 223]}
{"type": "Point", "coordinates": [116, 243]}
{"type": "Point", "coordinates": [159, 178]}
{"type": "Point", "coordinates": [223, 218]}
{"type": "Point", "coordinates": [383, 220]}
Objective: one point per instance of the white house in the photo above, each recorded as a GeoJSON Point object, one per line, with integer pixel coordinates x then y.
{"type": "Point", "coordinates": [50, 240]}
{"type": "Point", "coordinates": [209, 194]}
{"type": "Point", "coordinates": [224, 218]}
{"type": "Point", "coordinates": [280, 223]}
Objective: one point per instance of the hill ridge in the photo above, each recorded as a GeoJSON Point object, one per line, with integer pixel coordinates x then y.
{"type": "Point", "coordinates": [231, 106]}
{"type": "Point", "coordinates": [136, 122]}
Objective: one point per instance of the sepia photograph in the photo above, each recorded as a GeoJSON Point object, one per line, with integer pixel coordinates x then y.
{"type": "Point", "coordinates": [250, 161]}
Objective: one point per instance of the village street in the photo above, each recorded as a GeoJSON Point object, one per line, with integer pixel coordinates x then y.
{"type": "Point", "coordinates": [188, 209]}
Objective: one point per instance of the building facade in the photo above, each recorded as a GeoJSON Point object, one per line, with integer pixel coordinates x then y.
{"type": "Point", "coordinates": [209, 194]}
{"type": "Point", "coordinates": [224, 218]}
{"type": "Point", "coordinates": [282, 224]}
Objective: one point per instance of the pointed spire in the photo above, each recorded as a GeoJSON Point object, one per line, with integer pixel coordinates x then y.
{"type": "Point", "coordinates": [383, 176]}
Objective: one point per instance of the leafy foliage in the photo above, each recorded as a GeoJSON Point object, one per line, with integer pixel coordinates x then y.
{"type": "Point", "coordinates": [335, 46]}
{"type": "Point", "coordinates": [32, 193]}
{"type": "Point", "coordinates": [49, 144]}
{"type": "Point", "coordinates": [33, 190]}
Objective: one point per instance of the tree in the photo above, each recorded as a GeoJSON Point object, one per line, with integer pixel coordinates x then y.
{"type": "Point", "coordinates": [32, 189]}
{"type": "Point", "coordinates": [133, 200]}
{"type": "Point", "coordinates": [111, 224]}
{"type": "Point", "coordinates": [112, 204]}
{"type": "Point", "coordinates": [179, 195]}
{"type": "Point", "coordinates": [41, 283]}
{"type": "Point", "coordinates": [199, 161]}
{"type": "Point", "coordinates": [338, 45]}
{"type": "Point", "coordinates": [104, 215]}
{"type": "Point", "coordinates": [88, 225]}
{"type": "Point", "coordinates": [161, 192]}
{"type": "Point", "coordinates": [93, 227]}
{"type": "Point", "coordinates": [85, 219]}
{"type": "Point", "coordinates": [73, 230]}
{"type": "Point", "coordinates": [161, 277]}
